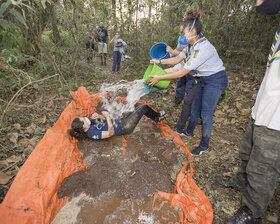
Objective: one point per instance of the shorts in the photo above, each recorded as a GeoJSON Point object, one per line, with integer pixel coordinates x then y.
{"type": "Point", "coordinates": [102, 48]}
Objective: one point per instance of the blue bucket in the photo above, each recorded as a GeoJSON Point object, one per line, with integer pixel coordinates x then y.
{"type": "Point", "coordinates": [158, 51]}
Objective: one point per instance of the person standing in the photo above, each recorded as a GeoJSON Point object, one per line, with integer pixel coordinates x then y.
{"type": "Point", "coordinates": [260, 149]}
{"type": "Point", "coordinates": [119, 46]}
{"type": "Point", "coordinates": [184, 84]}
{"type": "Point", "coordinates": [102, 43]}
{"type": "Point", "coordinates": [210, 79]}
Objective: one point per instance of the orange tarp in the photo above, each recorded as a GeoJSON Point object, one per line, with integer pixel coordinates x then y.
{"type": "Point", "coordinates": [32, 198]}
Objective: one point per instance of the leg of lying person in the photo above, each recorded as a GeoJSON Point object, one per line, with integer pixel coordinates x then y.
{"type": "Point", "coordinates": [128, 123]}
{"type": "Point", "coordinates": [262, 170]}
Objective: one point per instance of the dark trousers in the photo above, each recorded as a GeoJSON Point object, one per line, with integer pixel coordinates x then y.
{"type": "Point", "coordinates": [129, 122]}
{"type": "Point", "coordinates": [117, 60]}
{"type": "Point", "coordinates": [186, 111]}
{"type": "Point", "coordinates": [259, 168]}
{"type": "Point", "coordinates": [184, 85]}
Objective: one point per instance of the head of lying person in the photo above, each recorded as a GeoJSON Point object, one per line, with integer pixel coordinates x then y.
{"type": "Point", "coordinates": [79, 127]}
{"type": "Point", "coordinates": [191, 26]}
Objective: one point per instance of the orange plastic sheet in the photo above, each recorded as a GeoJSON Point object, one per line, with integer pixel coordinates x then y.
{"type": "Point", "coordinates": [193, 203]}
{"type": "Point", "coordinates": [32, 198]}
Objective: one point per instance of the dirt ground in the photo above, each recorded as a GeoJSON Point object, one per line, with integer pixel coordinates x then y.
{"type": "Point", "coordinates": [137, 172]}
{"type": "Point", "coordinates": [229, 125]}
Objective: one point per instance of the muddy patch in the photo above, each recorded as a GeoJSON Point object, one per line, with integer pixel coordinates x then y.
{"type": "Point", "coordinates": [131, 175]}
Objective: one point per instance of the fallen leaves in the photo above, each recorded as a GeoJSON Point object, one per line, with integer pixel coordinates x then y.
{"type": "Point", "coordinates": [4, 178]}
{"type": "Point", "coordinates": [9, 163]}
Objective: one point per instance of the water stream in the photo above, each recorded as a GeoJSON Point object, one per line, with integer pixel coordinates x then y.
{"type": "Point", "coordinates": [133, 91]}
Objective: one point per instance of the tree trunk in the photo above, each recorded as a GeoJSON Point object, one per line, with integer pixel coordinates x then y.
{"type": "Point", "coordinates": [56, 35]}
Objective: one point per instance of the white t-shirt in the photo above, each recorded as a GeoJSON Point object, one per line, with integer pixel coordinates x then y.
{"type": "Point", "coordinates": [266, 111]}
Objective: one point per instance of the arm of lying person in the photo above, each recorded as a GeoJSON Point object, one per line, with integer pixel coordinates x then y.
{"type": "Point", "coordinates": [111, 131]}
{"type": "Point", "coordinates": [96, 115]}
{"type": "Point", "coordinates": [169, 61]}
{"type": "Point", "coordinates": [174, 75]}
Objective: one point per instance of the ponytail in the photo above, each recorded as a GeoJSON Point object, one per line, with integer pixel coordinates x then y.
{"type": "Point", "coordinates": [77, 130]}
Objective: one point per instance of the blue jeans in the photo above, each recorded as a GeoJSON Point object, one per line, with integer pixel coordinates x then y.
{"type": "Point", "coordinates": [184, 85]}
{"type": "Point", "coordinates": [205, 102]}
{"type": "Point", "coordinates": [117, 60]}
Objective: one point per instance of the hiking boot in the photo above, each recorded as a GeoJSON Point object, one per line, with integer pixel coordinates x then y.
{"type": "Point", "coordinates": [243, 216]}
{"type": "Point", "coordinates": [177, 102]}
{"type": "Point", "coordinates": [118, 72]}
{"type": "Point", "coordinates": [113, 72]}
{"type": "Point", "coordinates": [228, 183]}
{"type": "Point", "coordinates": [105, 63]}
{"type": "Point", "coordinates": [199, 151]}
{"type": "Point", "coordinates": [161, 116]}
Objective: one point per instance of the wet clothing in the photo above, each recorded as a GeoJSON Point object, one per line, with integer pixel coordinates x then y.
{"type": "Point", "coordinates": [126, 124]}
{"type": "Point", "coordinates": [129, 122]}
{"type": "Point", "coordinates": [211, 81]}
{"type": "Point", "coordinates": [98, 125]}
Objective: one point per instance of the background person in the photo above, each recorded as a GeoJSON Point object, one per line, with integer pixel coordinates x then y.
{"type": "Point", "coordinates": [102, 43]}
{"type": "Point", "coordinates": [210, 77]}
{"type": "Point", "coordinates": [260, 149]}
{"type": "Point", "coordinates": [89, 43]}
{"type": "Point", "coordinates": [101, 126]}
{"type": "Point", "coordinates": [119, 46]}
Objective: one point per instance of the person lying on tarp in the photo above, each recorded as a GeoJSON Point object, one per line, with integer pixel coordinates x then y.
{"type": "Point", "coordinates": [101, 126]}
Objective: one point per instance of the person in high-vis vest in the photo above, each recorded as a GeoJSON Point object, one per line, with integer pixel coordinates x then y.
{"type": "Point", "coordinates": [209, 80]}
{"type": "Point", "coordinates": [260, 149]}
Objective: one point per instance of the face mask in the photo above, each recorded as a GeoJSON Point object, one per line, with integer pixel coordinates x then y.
{"type": "Point", "coordinates": [268, 7]}
{"type": "Point", "coordinates": [118, 36]}
{"type": "Point", "coordinates": [188, 38]}
{"type": "Point", "coordinates": [182, 40]}
{"type": "Point", "coordinates": [87, 120]}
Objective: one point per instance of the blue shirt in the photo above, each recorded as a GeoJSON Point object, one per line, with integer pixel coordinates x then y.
{"type": "Point", "coordinates": [102, 34]}
{"type": "Point", "coordinates": [202, 58]}
{"type": "Point", "coordinates": [98, 125]}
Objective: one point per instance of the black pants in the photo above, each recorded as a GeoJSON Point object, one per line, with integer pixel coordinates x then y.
{"type": "Point", "coordinates": [129, 122]}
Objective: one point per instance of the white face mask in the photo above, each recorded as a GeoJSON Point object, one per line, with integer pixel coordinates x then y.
{"type": "Point", "coordinates": [188, 38]}
{"type": "Point", "coordinates": [87, 120]}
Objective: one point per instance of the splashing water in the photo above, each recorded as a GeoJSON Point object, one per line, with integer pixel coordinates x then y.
{"type": "Point", "coordinates": [134, 91]}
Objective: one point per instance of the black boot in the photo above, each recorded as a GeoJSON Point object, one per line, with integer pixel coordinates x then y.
{"type": "Point", "coordinates": [229, 183]}
{"type": "Point", "coordinates": [243, 216]}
